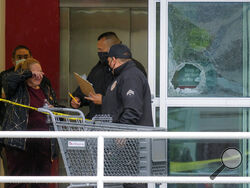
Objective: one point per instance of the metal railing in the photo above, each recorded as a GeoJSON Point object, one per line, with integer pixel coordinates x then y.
{"type": "Point", "coordinates": [100, 179]}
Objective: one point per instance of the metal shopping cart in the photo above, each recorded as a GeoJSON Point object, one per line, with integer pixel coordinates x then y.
{"type": "Point", "coordinates": [122, 157]}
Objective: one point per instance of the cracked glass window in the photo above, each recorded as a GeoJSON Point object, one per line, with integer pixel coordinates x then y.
{"type": "Point", "coordinates": [208, 49]}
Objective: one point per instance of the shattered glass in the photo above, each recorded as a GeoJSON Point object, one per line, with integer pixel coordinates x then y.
{"type": "Point", "coordinates": [205, 49]}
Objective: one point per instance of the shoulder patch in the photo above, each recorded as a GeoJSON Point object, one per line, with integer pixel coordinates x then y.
{"type": "Point", "coordinates": [130, 92]}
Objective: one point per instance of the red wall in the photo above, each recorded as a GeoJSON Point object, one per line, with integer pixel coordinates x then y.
{"type": "Point", "coordinates": [35, 24]}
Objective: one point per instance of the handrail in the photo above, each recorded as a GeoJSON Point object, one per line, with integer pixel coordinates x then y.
{"type": "Point", "coordinates": [125, 179]}
{"type": "Point", "coordinates": [126, 134]}
{"type": "Point", "coordinates": [100, 179]}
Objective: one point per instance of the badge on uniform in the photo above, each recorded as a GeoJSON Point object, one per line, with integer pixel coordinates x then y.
{"type": "Point", "coordinates": [113, 86]}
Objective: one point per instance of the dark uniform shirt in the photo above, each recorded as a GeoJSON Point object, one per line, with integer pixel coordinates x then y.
{"type": "Point", "coordinates": [128, 98]}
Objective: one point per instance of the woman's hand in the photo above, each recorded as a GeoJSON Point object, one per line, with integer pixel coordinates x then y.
{"type": "Point", "coordinates": [37, 74]}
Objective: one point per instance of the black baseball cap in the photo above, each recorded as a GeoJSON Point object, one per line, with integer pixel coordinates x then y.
{"type": "Point", "coordinates": [120, 51]}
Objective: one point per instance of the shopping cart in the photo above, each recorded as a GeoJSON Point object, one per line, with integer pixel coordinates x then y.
{"type": "Point", "coordinates": [122, 157]}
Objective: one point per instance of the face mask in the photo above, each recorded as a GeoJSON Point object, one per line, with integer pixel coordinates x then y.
{"type": "Point", "coordinates": [20, 61]}
{"type": "Point", "coordinates": [103, 56]}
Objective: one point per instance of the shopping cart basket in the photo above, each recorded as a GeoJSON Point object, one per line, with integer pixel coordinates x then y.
{"type": "Point", "coordinates": [122, 157]}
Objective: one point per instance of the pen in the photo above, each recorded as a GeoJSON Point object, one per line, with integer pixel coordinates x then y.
{"type": "Point", "coordinates": [72, 97]}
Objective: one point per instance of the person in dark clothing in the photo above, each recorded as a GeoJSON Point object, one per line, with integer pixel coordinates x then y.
{"type": "Point", "coordinates": [100, 75]}
{"type": "Point", "coordinates": [127, 99]}
{"type": "Point", "coordinates": [26, 157]}
{"type": "Point", "coordinates": [19, 54]}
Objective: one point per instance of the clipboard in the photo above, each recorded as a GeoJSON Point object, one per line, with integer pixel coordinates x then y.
{"type": "Point", "coordinates": [85, 86]}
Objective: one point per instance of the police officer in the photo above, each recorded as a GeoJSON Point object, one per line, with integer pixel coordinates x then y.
{"type": "Point", "coordinates": [128, 98]}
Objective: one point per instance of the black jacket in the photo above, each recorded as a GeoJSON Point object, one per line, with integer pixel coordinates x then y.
{"type": "Point", "coordinates": [128, 98]}
{"type": "Point", "coordinates": [16, 119]}
{"type": "Point", "coordinates": [2, 105]}
{"type": "Point", "coordinates": [101, 77]}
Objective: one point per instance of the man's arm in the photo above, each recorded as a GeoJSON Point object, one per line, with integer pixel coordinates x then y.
{"type": "Point", "coordinates": [132, 99]}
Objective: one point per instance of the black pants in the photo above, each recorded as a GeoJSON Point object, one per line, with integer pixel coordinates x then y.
{"type": "Point", "coordinates": [34, 161]}
{"type": "Point", "coordinates": [4, 160]}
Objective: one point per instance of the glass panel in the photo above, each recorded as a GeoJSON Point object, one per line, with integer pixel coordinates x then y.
{"type": "Point", "coordinates": [157, 117]}
{"type": "Point", "coordinates": [206, 185]}
{"type": "Point", "coordinates": [205, 119]}
{"type": "Point", "coordinates": [203, 157]}
{"type": "Point", "coordinates": [207, 49]}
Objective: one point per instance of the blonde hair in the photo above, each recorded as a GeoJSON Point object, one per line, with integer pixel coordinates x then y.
{"type": "Point", "coordinates": [25, 65]}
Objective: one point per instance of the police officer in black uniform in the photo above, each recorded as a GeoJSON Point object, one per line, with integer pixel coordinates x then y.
{"type": "Point", "coordinates": [128, 98]}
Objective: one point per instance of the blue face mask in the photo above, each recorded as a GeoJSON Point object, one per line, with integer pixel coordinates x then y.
{"type": "Point", "coordinates": [103, 56]}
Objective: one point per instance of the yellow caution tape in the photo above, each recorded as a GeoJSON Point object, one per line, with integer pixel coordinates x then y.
{"type": "Point", "coordinates": [34, 108]}
{"type": "Point", "coordinates": [196, 165]}
{"type": "Point", "coordinates": [189, 166]}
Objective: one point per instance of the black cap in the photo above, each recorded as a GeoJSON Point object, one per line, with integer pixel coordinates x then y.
{"type": "Point", "coordinates": [120, 51]}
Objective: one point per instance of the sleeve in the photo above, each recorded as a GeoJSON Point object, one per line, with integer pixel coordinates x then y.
{"type": "Point", "coordinates": [13, 80]}
{"type": "Point", "coordinates": [131, 91]}
{"type": "Point", "coordinates": [78, 93]}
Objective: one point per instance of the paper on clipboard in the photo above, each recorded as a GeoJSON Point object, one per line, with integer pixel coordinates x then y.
{"type": "Point", "coordinates": [85, 86]}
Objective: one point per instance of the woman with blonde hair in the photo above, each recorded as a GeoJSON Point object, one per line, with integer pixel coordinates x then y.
{"type": "Point", "coordinates": [27, 157]}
